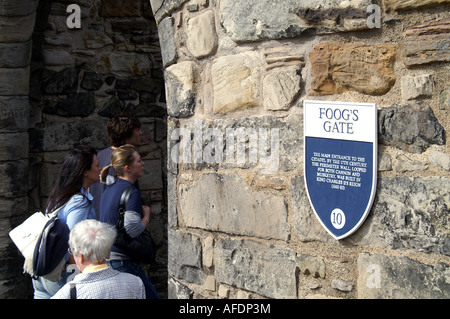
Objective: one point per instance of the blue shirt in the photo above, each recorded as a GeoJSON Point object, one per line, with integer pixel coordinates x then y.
{"type": "Point", "coordinates": [109, 203]}
{"type": "Point", "coordinates": [78, 208]}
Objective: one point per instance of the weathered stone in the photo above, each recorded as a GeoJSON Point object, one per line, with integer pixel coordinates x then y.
{"type": "Point", "coordinates": [96, 39]}
{"type": "Point", "coordinates": [342, 285]}
{"type": "Point", "coordinates": [225, 203]}
{"type": "Point", "coordinates": [14, 112]}
{"type": "Point", "coordinates": [61, 136]}
{"type": "Point", "coordinates": [236, 80]}
{"type": "Point", "coordinates": [18, 7]}
{"type": "Point", "coordinates": [14, 81]}
{"type": "Point", "coordinates": [281, 87]}
{"type": "Point", "coordinates": [440, 159]}
{"type": "Point", "coordinates": [305, 225]}
{"type": "Point", "coordinates": [409, 214]}
{"type": "Point", "coordinates": [336, 68]}
{"type": "Point", "coordinates": [250, 265]}
{"type": "Point", "coordinates": [202, 39]}
{"type": "Point", "coordinates": [57, 57]}
{"type": "Point", "coordinates": [63, 82]}
{"type": "Point", "coordinates": [16, 29]}
{"type": "Point", "coordinates": [311, 265]}
{"type": "Point", "coordinates": [405, 164]}
{"type": "Point", "coordinates": [266, 143]}
{"type": "Point", "coordinates": [15, 55]}
{"type": "Point", "coordinates": [147, 85]}
{"type": "Point", "coordinates": [444, 100]}
{"type": "Point", "coordinates": [427, 42]}
{"type": "Point", "coordinates": [167, 39]}
{"type": "Point", "coordinates": [411, 4]}
{"type": "Point", "coordinates": [91, 81]}
{"type": "Point", "coordinates": [253, 20]}
{"type": "Point", "coordinates": [410, 128]}
{"type": "Point", "coordinates": [9, 150]}
{"type": "Point", "coordinates": [152, 178]}
{"type": "Point", "coordinates": [185, 256]}
{"type": "Point", "coordinates": [78, 104]}
{"type": "Point", "coordinates": [414, 87]}
{"type": "Point", "coordinates": [392, 277]}
{"type": "Point", "coordinates": [125, 64]}
{"type": "Point", "coordinates": [14, 178]}
{"type": "Point", "coordinates": [112, 107]}
{"type": "Point", "coordinates": [120, 8]}
{"type": "Point", "coordinates": [181, 89]}
{"type": "Point", "coordinates": [176, 290]}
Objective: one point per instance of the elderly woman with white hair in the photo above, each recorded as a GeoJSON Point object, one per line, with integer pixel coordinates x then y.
{"type": "Point", "coordinates": [90, 244]}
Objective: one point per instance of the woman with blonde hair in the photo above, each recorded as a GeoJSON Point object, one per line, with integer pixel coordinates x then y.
{"type": "Point", "coordinates": [128, 168]}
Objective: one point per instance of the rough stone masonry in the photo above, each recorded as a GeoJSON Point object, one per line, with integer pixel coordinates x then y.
{"type": "Point", "coordinates": [232, 229]}
{"type": "Point", "coordinates": [235, 232]}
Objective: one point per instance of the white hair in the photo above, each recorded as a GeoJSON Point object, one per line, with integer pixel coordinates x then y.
{"type": "Point", "coordinates": [92, 239]}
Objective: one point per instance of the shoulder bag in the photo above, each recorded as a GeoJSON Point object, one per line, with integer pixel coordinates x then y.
{"type": "Point", "coordinates": [26, 236]}
{"type": "Point", "coordinates": [140, 249]}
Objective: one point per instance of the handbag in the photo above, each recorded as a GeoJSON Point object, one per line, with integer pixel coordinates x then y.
{"type": "Point", "coordinates": [141, 248]}
{"type": "Point", "coordinates": [26, 235]}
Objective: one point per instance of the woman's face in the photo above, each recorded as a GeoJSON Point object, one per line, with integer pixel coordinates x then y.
{"type": "Point", "coordinates": [135, 139]}
{"type": "Point", "coordinates": [137, 167]}
{"type": "Point", "coordinates": [92, 175]}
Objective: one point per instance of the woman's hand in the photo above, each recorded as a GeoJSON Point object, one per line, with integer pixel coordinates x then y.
{"type": "Point", "coordinates": [146, 214]}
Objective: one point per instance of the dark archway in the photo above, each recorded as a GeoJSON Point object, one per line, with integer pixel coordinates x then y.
{"type": "Point", "coordinates": [75, 80]}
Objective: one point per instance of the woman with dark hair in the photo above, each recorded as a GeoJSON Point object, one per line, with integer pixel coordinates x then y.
{"type": "Point", "coordinates": [121, 130]}
{"type": "Point", "coordinates": [79, 170]}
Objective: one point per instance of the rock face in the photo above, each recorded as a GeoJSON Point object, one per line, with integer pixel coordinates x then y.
{"type": "Point", "coordinates": [364, 68]}
{"type": "Point", "coordinates": [218, 87]}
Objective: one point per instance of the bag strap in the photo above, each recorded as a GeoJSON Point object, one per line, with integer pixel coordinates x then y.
{"type": "Point", "coordinates": [122, 207]}
{"type": "Point", "coordinates": [124, 199]}
{"type": "Point", "coordinates": [73, 291]}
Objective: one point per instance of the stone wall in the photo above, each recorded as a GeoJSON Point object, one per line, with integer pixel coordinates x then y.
{"type": "Point", "coordinates": [241, 226]}
{"type": "Point", "coordinates": [58, 87]}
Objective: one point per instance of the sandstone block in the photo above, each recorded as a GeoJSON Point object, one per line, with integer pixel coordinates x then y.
{"type": "Point", "coordinates": [125, 64]}
{"type": "Point", "coordinates": [391, 277]}
{"type": "Point", "coordinates": [409, 214]}
{"type": "Point", "coordinates": [225, 203]}
{"type": "Point", "coordinates": [236, 80]}
{"type": "Point", "coordinates": [411, 4]}
{"type": "Point", "coordinates": [280, 88]}
{"type": "Point", "coordinates": [185, 256]}
{"type": "Point", "coordinates": [15, 55]}
{"type": "Point", "coordinates": [14, 112]}
{"type": "Point", "coordinates": [181, 88]}
{"type": "Point", "coordinates": [17, 29]}
{"type": "Point", "coordinates": [250, 265]}
{"type": "Point", "coordinates": [166, 35]}
{"type": "Point", "coordinates": [202, 39]}
{"type": "Point", "coordinates": [15, 81]}
{"type": "Point", "coordinates": [414, 87]}
{"type": "Point", "coordinates": [336, 68]}
{"type": "Point", "coordinates": [427, 42]}
{"type": "Point", "coordinates": [253, 20]}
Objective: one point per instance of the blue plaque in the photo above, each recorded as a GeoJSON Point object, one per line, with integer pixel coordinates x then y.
{"type": "Point", "coordinates": [340, 162]}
